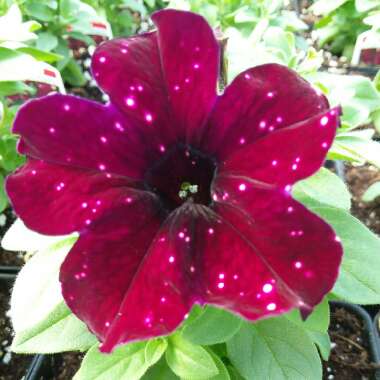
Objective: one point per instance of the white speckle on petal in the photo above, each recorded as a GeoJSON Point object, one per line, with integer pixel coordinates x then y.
{"type": "Point", "coordinates": [324, 120]}
{"type": "Point", "coordinates": [130, 102]}
{"type": "Point", "coordinates": [267, 288]}
{"type": "Point", "coordinates": [262, 124]}
{"type": "Point", "coordinates": [271, 306]}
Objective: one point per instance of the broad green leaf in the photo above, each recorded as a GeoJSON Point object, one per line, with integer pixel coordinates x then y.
{"type": "Point", "coordinates": [13, 29]}
{"type": "Point", "coordinates": [160, 371]}
{"type": "Point", "coordinates": [323, 342]}
{"type": "Point", "coordinates": [372, 192]}
{"type": "Point", "coordinates": [19, 66]}
{"type": "Point", "coordinates": [3, 195]}
{"type": "Point", "coordinates": [14, 87]}
{"type": "Point", "coordinates": [60, 331]}
{"type": "Point", "coordinates": [46, 41]}
{"type": "Point", "coordinates": [188, 360]}
{"type": "Point", "coordinates": [323, 187]}
{"type": "Point", "coordinates": [366, 5]}
{"type": "Point", "coordinates": [39, 10]}
{"type": "Point", "coordinates": [37, 291]}
{"type": "Point", "coordinates": [154, 349]}
{"type": "Point", "coordinates": [375, 116]}
{"type": "Point", "coordinates": [274, 348]}
{"type": "Point", "coordinates": [234, 374]}
{"type": "Point", "coordinates": [20, 238]}
{"type": "Point", "coordinates": [359, 280]}
{"type": "Point", "coordinates": [223, 372]}
{"type": "Point", "coordinates": [127, 362]}
{"type": "Point", "coordinates": [323, 7]}
{"type": "Point", "coordinates": [316, 326]}
{"type": "Point", "coordinates": [40, 55]}
{"type": "Point", "coordinates": [73, 74]}
{"type": "Point", "coordinates": [360, 148]}
{"type": "Point", "coordinates": [212, 326]}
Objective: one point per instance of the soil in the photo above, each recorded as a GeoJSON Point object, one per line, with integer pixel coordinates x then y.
{"type": "Point", "coordinates": [8, 258]}
{"type": "Point", "coordinates": [12, 366]}
{"type": "Point", "coordinates": [350, 357]}
{"type": "Point", "coordinates": [358, 180]}
{"type": "Point", "coordinates": [66, 365]}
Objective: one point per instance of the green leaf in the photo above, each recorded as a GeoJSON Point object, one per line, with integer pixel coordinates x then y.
{"type": "Point", "coordinates": [37, 291]}
{"type": "Point", "coordinates": [189, 361]}
{"type": "Point", "coordinates": [8, 88]}
{"type": "Point", "coordinates": [223, 372]}
{"type": "Point", "coordinates": [323, 7]}
{"type": "Point", "coordinates": [124, 363]}
{"type": "Point", "coordinates": [316, 326]}
{"type": "Point", "coordinates": [212, 326]}
{"type": "Point", "coordinates": [274, 348]}
{"type": "Point", "coordinates": [154, 349]}
{"type": "Point", "coordinates": [323, 342]}
{"type": "Point", "coordinates": [46, 41]}
{"type": "Point", "coordinates": [366, 5]}
{"type": "Point", "coordinates": [372, 192]}
{"type": "Point", "coordinates": [323, 187]}
{"type": "Point", "coordinates": [160, 371]}
{"type": "Point", "coordinates": [40, 55]}
{"type": "Point", "coordinates": [18, 66]}
{"type": "Point", "coordinates": [359, 147]}
{"type": "Point", "coordinates": [359, 280]}
{"type": "Point", "coordinates": [60, 331]}
{"type": "Point", "coordinates": [3, 195]}
{"type": "Point", "coordinates": [234, 374]}
{"type": "Point", "coordinates": [73, 74]}
{"type": "Point", "coordinates": [39, 11]}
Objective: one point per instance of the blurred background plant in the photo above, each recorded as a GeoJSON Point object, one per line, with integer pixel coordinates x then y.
{"type": "Point", "coordinates": [46, 46]}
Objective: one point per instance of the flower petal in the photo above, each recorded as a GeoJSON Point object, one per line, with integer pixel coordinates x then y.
{"type": "Point", "coordinates": [287, 155]}
{"type": "Point", "coordinates": [167, 79]}
{"type": "Point", "coordinates": [190, 60]}
{"type": "Point", "coordinates": [129, 70]}
{"type": "Point", "coordinates": [259, 101]}
{"type": "Point", "coordinates": [273, 252]}
{"type": "Point", "coordinates": [100, 267]}
{"type": "Point", "coordinates": [77, 132]}
{"type": "Point", "coordinates": [57, 200]}
{"type": "Point", "coordinates": [138, 289]}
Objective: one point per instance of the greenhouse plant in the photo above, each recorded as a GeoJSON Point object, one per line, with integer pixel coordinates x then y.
{"type": "Point", "coordinates": [189, 190]}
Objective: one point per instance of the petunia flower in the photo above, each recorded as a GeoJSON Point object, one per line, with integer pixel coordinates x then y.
{"type": "Point", "coordinates": [181, 196]}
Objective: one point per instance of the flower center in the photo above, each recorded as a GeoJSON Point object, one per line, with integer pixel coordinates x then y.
{"type": "Point", "coordinates": [182, 174]}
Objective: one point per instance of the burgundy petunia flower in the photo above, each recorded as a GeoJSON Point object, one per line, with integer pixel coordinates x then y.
{"type": "Point", "coordinates": [180, 195]}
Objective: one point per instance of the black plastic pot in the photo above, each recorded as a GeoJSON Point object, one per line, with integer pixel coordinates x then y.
{"type": "Point", "coordinates": [376, 327]}
{"type": "Point", "coordinates": [41, 368]}
{"type": "Point", "coordinates": [372, 334]}
{"type": "Point", "coordinates": [37, 366]}
{"type": "Point", "coordinates": [8, 273]}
